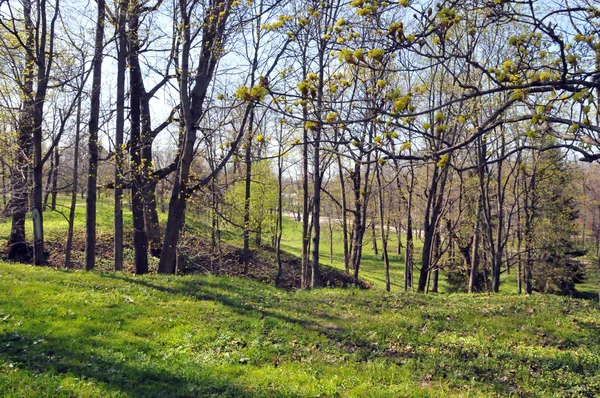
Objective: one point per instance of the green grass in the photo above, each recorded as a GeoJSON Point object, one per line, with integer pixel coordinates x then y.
{"type": "Point", "coordinates": [72, 333]}
{"type": "Point", "coordinates": [55, 227]}
{"type": "Point", "coordinates": [55, 222]}
{"type": "Point", "coordinates": [372, 266]}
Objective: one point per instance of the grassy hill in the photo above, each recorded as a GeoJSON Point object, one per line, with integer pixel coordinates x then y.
{"type": "Point", "coordinates": [197, 229]}
{"type": "Point", "coordinates": [198, 235]}
{"type": "Point", "coordinates": [71, 333]}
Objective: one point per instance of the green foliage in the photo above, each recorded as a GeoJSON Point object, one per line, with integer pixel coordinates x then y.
{"type": "Point", "coordinates": [554, 205]}
{"type": "Point", "coordinates": [517, 95]}
{"type": "Point", "coordinates": [443, 161]}
{"type": "Point", "coordinates": [402, 103]}
{"type": "Point", "coordinates": [263, 200]}
{"type": "Point", "coordinates": [256, 93]}
{"type": "Point", "coordinates": [259, 92]}
{"type": "Point", "coordinates": [376, 54]}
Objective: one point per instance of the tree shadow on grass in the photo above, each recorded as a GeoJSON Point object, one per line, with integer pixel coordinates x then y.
{"type": "Point", "coordinates": [54, 356]}
{"type": "Point", "coordinates": [586, 295]}
{"type": "Point", "coordinates": [207, 291]}
{"type": "Point", "coordinates": [343, 338]}
{"type": "Point", "coordinates": [311, 319]}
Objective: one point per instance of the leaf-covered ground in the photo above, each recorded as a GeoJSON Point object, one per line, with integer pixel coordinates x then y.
{"type": "Point", "coordinates": [71, 333]}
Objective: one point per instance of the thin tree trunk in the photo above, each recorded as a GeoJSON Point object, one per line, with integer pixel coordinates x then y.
{"type": "Point", "coordinates": [330, 239]}
{"type": "Point", "coordinates": [90, 244]}
{"type": "Point", "coordinates": [583, 236]}
{"type": "Point", "coordinates": [357, 226]}
{"type": "Point", "coordinates": [54, 188]}
{"type": "Point", "coordinates": [315, 277]}
{"type": "Point", "coordinates": [48, 184]}
{"type": "Point", "coordinates": [398, 227]}
{"type": "Point", "coordinates": [305, 194]}
{"type": "Point", "coordinates": [436, 271]}
{"type": "Point", "coordinates": [279, 232]}
{"type": "Point", "coordinates": [519, 261]}
{"type": "Point", "coordinates": [75, 180]}
{"type": "Point", "coordinates": [432, 213]}
{"type": "Point", "coordinates": [498, 251]}
{"type": "Point", "coordinates": [344, 217]}
{"type": "Point", "coordinates": [151, 221]}
{"type": "Point", "coordinates": [4, 185]}
{"type": "Point", "coordinates": [119, 130]}
{"type": "Point", "coordinates": [305, 213]}
{"type": "Point", "coordinates": [409, 253]}
{"type": "Point", "coordinates": [473, 283]}
{"type": "Point", "coordinates": [528, 269]}
{"type": "Point", "coordinates": [247, 193]}
{"type": "Point", "coordinates": [44, 55]}
{"type": "Point", "coordinates": [374, 238]}
{"type": "Point", "coordinates": [383, 235]}
{"type": "Point", "coordinates": [361, 198]}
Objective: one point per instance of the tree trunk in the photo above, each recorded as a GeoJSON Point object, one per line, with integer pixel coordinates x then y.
{"type": "Point", "coordinates": [315, 277]}
{"type": "Point", "coordinates": [357, 239]}
{"type": "Point", "coordinates": [436, 271]}
{"type": "Point", "coordinates": [330, 224]}
{"type": "Point", "coordinates": [54, 188]}
{"type": "Point", "coordinates": [374, 238]}
{"type": "Point", "coordinates": [247, 193]}
{"type": "Point", "coordinates": [473, 282]}
{"type": "Point", "coordinates": [39, 257]}
{"type": "Point", "coordinates": [398, 227]}
{"type": "Point", "coordinates": [279, 232]}
{"type": "Point", "coordinates": [19, 201]}
{"type": "Point", "coordinates": [344, 217]}
{"type": "Point", "coordinates": [519, 264]}
{"type": "Point", "coordinates": [48, 184]}
{"type": "Point", "coordinates": [4, 185]}
{"type": "Point", "coordinates": [432, 213]}
{"type": "Point", "coordinates": [151, 215]}
{"type": "Point", "coordinates": [426, 257]}
{"type": "Point", "coordinates": [75, 181]}
{"type": "Point", "coordinates": [90, 244]}
{"type": "Point", "coordinates": [357, 225]}
{"type": "Point", "coordinates": [305, 213]}
{"type": "Point", "coordinates": [383, 235]}
{"type": "Point", "coordinates": [191, 109]}
{"type": "Point", "coordinates": [44, 56]}
{"type": "Point", "coordinates": [409, 253]}
{"type": "Point", "coordinates": [305, 202]}
{"type": "Point", "coordinates": [140, 239]}
{"type": "Point", "coordinates": [119, 130]}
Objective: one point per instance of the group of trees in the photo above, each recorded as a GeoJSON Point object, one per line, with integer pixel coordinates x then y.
{"type": "Point", "coordinates": [451, 122]}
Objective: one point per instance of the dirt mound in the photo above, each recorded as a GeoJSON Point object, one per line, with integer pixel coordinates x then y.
{"type": "Point", "coordinates": [198, 257]}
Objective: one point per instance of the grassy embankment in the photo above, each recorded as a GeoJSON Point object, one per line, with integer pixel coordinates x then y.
{"type": "Point", "coordinates": [71, 333]}
{"type": "Point", "coordinates": [55, 227]}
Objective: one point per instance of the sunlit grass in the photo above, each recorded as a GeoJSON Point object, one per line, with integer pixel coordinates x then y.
{"type": "Point", "coordinates": [72, 333]}
{"type": "Point", "coordinates": [197, 223]}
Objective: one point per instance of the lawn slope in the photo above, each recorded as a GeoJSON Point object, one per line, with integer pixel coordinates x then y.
{"type": "Point", "coordinates": [71, 333]}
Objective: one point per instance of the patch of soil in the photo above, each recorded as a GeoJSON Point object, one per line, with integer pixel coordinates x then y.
{"type": "Point", "coordinates": [198, 257]}
{"type": "Point", "coordinates": [55, 249]}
